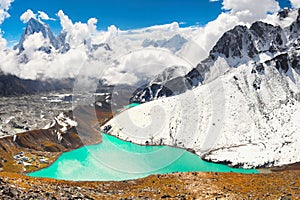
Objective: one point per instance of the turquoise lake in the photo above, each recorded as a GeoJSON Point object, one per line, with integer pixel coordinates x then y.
{"type": "Point", "coordinates": [114, 159]}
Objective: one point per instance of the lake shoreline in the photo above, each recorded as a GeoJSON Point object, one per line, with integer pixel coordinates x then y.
{"type": "Point", "coordinates": [141, 161]}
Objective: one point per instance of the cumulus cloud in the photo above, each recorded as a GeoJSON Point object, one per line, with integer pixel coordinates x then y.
{"type": "Point", "coordinates": [91, 23]}
{"type": "Point", "coordinates": [34, 42]}
{"type": "Point", "coordinates": [139, 64]}
{"type": "Point", "coordinates": [65, 21]}
{"type": "Point", "coordinates": [77, 32]}
{"type": "Point", "coordinates": [295, 3]}
{"type": "Point", "coordinates": [27, 15]}
{"type": "Point", "coordinates": [250, 10]}
{"type": "Point", "coordinates": [127, 62]}
{"type": "Point", "coordinates": [58, 66]}
{"type": "Point", "coordinates": [44, 16]}
{"type": "Point", "coordinates": [4, 6]}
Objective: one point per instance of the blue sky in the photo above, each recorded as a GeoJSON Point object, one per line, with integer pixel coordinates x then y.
{"type": "Point", "coordinates": [125, 14]}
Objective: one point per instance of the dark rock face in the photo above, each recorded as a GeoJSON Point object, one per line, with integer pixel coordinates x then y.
{"type": "Point", "coordinates": [151, 92]}
{"type": "Point", "coordinates": [284, 13]}
{"type": "Point", "coordinates": [241, 42]}
{"type": "Point", "coordinates": [267, 37]}
{"type": "Point", "coordinates": [196, 75]}
{"type": "Point", "coordinates": [281, 62]}
{"type": "Point", "coordinates": [172, 86]}
{"type": "Point", "coordinates": [102, 45]}
{"type": "Point", "coordinates": [234, 43]}
{"type": "Point", "coordinates": [164, 85]}
{"type": "Point", "coordinates": [295, 27]}
{"type": "Point", "coordinates": [284, 61]}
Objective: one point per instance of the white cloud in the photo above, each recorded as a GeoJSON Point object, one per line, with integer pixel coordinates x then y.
{"type": "Point", "coordinates": [4, 6]}
{"type": "Point", "coordinates": [112, 31]}
{"type": "Point", "coordinates": [92, 25]}
{"type": "Point", "coordinates": [33, 42]}
{"type": "Point", "coordinates": [78, 32]}
{"type": "Point", "coordinates": [213, 0]}
{"type": "Point", "coordinates": [142, 64]}
{"type": "Point", "coordinates": [44, 16]}
{"type": "Point", "coordinates": [65, 22]}
{"type": "Point", "coordinates": [250, 10]}
{"type": "Point", "coordinates": [295, 3]}
{"type": "Point", "coordinates": [27, 15]}
{"type": "Point", "coordinates": [134, 66]}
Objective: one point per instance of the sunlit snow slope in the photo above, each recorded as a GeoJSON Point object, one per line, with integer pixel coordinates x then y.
{"type": "Point", "coordinates": [244, 105]}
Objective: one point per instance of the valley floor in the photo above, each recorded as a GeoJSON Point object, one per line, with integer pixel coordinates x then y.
{"type": "Point", "coordinates": [279, 185]}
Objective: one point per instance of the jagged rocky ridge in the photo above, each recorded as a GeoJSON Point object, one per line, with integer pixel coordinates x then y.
{"type": "Point", "coordinates": [35, 26]}
{"type": "Point", "coordinates": [57, 44]}
{"type": "Point", "coordinates": [240, 106]}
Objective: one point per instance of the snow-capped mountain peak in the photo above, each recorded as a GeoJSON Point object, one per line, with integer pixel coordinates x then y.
{"type": "Point", "coordinates": [36, 26]}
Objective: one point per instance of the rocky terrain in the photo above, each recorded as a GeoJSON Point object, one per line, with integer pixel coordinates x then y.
{"type": "Point", "coordinates": [284, 185]}
{"type": "Point", "coordinates": [60, 135]}
{"type": "Point", "coordinates": [30, 112]}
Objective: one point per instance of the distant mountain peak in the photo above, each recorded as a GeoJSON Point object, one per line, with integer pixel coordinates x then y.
{"type": "Point", "coordinates": [35, 26]}
{"type": "Point", "coordinates": [174, 44]}
{"type": "Point", "coordinates": [58, 43]}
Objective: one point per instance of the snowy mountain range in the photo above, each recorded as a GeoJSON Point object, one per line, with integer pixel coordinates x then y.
{"type": "Point", "coordinates": [240, 106]}
{"type": "Point", "coordinates": [237, 46]}
{"type": "Point", "coordinates": [40, 54]}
